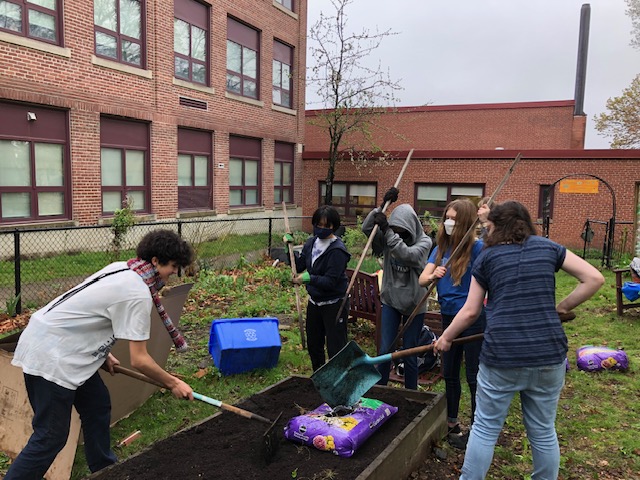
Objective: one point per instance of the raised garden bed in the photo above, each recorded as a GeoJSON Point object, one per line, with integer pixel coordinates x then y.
{"type": "Point", "coordinates": [227, 446]}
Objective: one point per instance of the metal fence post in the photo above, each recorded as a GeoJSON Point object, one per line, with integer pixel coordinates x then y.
{"type": "Point", "coordinates": [270, 232]}
{"type": "Point", "coordinates": [16, 269]}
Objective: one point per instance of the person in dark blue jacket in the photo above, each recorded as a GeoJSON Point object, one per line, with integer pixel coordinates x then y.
{"type": "Point", "coordinates": [323, 262]}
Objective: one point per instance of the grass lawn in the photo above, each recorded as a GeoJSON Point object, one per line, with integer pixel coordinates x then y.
{"type": "Point", "coordinates": [599, 413]}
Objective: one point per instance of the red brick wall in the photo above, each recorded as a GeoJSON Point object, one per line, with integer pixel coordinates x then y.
{"type": "Point", "coordinates": [87, 90]}
{"type": "Point", "coordinates": [534, 125]}
{"type": "Point", "coordinates": [618, 168]}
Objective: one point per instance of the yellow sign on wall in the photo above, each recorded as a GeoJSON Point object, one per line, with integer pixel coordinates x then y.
{"type": "Point", "coordinates": [578, 186]}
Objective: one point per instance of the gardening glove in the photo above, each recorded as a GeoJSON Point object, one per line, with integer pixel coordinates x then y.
{"type": "Point", "coordinates": [303, 278]}
{"type": "Point", "coordinates": [287, 238]}
{"type": "Point", "coordinates": [391, 196]}
{"type": "Point", "coordinates": [380, 219]}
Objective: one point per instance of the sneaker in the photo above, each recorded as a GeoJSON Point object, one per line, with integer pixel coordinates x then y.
{"type": "Point", "coordinates": [455, 429]}
{"type": "Point", "coordinates": [458, 441]}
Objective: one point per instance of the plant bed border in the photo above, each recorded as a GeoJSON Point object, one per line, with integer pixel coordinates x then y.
{"type": "Point", "coordinates": [401, 456]}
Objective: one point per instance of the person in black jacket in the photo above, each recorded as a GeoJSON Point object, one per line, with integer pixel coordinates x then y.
{"type": "Point", "coordinates": [323, 262]}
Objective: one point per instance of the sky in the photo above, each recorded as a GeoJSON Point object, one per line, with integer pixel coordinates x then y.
{"type": "Point", "coordinates": [450, 52]}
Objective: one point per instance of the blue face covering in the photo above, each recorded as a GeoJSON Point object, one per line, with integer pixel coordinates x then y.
{"type": "Point", "coordinates": [322, 232]}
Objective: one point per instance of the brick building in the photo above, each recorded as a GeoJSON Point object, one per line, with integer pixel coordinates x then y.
{"type": "Point", "coordinates": [465, 151]}
{"type": "Point", "coordinates": [189, 108]}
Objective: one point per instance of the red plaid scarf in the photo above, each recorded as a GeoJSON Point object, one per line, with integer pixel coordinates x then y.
{"type": "Point", "coordinates": [150, 276]}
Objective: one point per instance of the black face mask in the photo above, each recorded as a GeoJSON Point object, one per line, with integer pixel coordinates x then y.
{"type": "Point", "coordinates": [322, 232]}
{"type": "Point", "coordinates": [405, 236]}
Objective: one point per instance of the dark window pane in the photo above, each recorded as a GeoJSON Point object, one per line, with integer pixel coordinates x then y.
{"type": "Point", "coordinates": [131, 52]}
{"type": "Point", "coordinates": [106, 45]}
{"type": "Point", "coordinates": [233, 83]}
{"type": "Point", "coordinates": [42, 25]}
{"type": "Point", "coordinates": [250, 89]}
{"type": "Point", "coordinates": [10, 16]}
{"type": "Point", "coordinates": [181, 68]}
{"type": "Point", "coordinates": [198, 73]}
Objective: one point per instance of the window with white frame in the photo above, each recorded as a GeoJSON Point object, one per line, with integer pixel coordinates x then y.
{"type": "Point", "coordinates": [245, 160]}
{"type": "Point", "coordinates": [124, 162]}
{"type": "Point", "coordinates": [282, 74]}
{"type": "Point", "coordinates": [283, 173]}
{"type": "Point", "coordinates": [194, 170]}
{"type": "Point", "coordinates": [37, 19]}
{"type": "Point", "coordinates": [435, 197]}
{"type": "Point", "coordinates": [119, 30]}
{"type": "Point", "coordinates": [190, 41]}
{"type": "Point", "coordinates": [243, 49]}
{"type": "Point", "coordinates": [351, 199]}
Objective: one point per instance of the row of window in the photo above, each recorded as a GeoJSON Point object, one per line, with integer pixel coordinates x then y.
{"type": "Point", "coordinates": [119, 28]}
{"type": "Point", "coordinates": [36, 185]}
{"type": "Point", "coordinates": [354, 200]}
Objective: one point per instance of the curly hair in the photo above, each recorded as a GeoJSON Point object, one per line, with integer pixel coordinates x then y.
{"type": "Point", "coordinates": [167, 246]}
{"type": "Point", "coordinates": [511, 224]}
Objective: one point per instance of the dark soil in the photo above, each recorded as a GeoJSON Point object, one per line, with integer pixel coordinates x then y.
{"type": "Point", "coordinates": [228, 446]}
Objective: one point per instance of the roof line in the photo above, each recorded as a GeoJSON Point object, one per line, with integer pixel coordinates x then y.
{"type": "Point", "coordinates": [469, 106]}
{"type": "Point", "coordinates": [632, 154]}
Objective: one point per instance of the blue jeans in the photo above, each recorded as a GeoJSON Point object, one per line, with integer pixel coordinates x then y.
{"type": "Point", "coordinates": [51, 405]}
{"type": "Point", "coordinates": [391, 320]}
{"type": "Point", "coordinates": [539, 389]}
{"type": "Point", "coordinates": [452, 362]}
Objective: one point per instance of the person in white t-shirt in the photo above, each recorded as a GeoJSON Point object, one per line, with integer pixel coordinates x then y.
{"type": "Point", "coordinates": [68, 340]}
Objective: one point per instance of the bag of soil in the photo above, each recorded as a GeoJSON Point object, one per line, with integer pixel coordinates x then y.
{"type": "Point", "coordinates": [595, 359]}
{"type": "Point", "coordinates": [325, 429]}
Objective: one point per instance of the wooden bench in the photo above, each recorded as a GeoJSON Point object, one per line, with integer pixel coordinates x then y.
{"type": "Point", "coordinates": [621, 306]}
{"type": "Point", "coordinates": [364, 302]}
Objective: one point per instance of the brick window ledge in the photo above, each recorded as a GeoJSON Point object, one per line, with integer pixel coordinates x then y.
{"type": "Point", "coordinates": [43, 225]}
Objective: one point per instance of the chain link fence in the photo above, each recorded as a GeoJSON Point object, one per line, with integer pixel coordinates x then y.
{"type": "Point", "coordinates": [37, 265]}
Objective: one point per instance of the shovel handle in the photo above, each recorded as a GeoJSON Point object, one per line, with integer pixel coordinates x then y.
{"type": "Point", "coordinates": [198, 396]}
{"type": "Point", "coordinates": [424, 348]}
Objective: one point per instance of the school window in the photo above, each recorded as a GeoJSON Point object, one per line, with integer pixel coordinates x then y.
{"type": "Point", "coordinates": [351, 199]}
{"type": "Point", "coordinates": [194, 170]}
{"type": "Point", "coordinates": [243, 47]}
{"type": "Point", "coordinates": [283, 173]}
{"type": "Point", "coordinates": [286, 4]}
{"type": "Point", "coordinates": [282, 74]}
{"type": "Point", "coordinates": [545, 194]}
{"type": "Point", "coordinates": [434, 198]}
{"type": "Point", "coordinates": [37, 19]}
{"type": "Point", "coordinates": [119, 30]}
{"type": "Point", "coordinates": [244, 171]}
{"type": "Point", "coordinates": [124, 163]}
{"type": "Point", "coordinates": [34, 161]}
{"type": "Point", "coordinates": [190, 41]}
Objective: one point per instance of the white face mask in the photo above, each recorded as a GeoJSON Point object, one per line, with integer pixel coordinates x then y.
{"type": "Point", "coordinates": [448, 226]}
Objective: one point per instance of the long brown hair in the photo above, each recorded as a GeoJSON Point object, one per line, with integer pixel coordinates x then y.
{"type": "Point", "coordinates": [466, 215]}
{"type": "Point", "coordinates": [511, 224]}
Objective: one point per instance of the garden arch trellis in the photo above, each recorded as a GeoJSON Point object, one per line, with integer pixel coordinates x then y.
{"type": "Point", "coordinates": [610, 226]}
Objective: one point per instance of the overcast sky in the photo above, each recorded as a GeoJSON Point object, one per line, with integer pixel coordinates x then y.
{"type": "Point", "coordinates": [451, 52]}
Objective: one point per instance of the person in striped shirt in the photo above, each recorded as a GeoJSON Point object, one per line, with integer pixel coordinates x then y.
{"type": "Point", "coordinates": [524, 347]}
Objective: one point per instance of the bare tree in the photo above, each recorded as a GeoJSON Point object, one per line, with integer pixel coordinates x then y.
{"type": "Point", "coordinates": [352, 95]}
{"type": "Point", "coordinates": [634, 14]}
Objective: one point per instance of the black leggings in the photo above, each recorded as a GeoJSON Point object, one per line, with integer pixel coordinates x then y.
{"type": "Point", "coordinates": [321, 327]}
{"type": "Point", "coordinates": [452, 362]}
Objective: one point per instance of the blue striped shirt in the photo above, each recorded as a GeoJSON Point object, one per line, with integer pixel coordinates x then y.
{"type": "Point", "coordinates": [523, 327]}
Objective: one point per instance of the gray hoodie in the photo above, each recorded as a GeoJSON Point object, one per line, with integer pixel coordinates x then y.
{"type": "Point", "coordinates": [403, 262]}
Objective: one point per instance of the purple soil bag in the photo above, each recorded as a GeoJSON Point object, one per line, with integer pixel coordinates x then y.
{"type": "Point", "coordinates": [339, 434]}
{"type": "Point", "coordinates": [595, 359]}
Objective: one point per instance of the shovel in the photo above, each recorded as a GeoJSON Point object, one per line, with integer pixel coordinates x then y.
{"type": "Point", "coordinates": [270, 441]}
{"type": "Point", "coordinates": [350, 373]}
